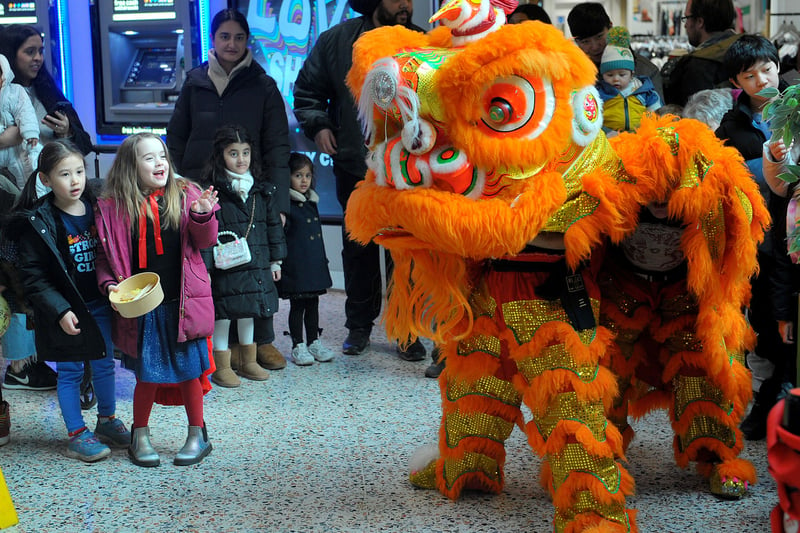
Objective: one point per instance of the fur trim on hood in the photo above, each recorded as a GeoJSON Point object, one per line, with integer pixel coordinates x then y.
{"type": "Point", "coordinates": [297, 196]}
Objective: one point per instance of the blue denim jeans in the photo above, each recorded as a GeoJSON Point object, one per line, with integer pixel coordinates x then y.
{"type": "Point", "coordinates": [70, 375]}
{"type": "Point", "coordinates": [19, 341]}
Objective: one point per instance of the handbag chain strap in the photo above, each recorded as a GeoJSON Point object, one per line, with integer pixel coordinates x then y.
{"type": "Point", "coordinates": [252, 215]}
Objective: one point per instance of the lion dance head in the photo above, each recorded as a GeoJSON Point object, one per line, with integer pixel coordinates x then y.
{"type": "Point", "coordinates": [468, 148]}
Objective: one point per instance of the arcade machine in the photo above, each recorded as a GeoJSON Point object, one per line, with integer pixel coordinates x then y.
{"type": "Point", "coordinates": [51, 19]}
{"type": "Point", "coordinates": [142, 51]}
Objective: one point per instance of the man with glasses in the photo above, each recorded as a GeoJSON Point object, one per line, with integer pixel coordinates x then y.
{"type": "Point", "coordinates": [589, 24]}
{"type": "Point", "coordinates": [709, 26]}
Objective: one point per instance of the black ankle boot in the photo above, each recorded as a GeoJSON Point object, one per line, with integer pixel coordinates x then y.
{"type": "Point", "coordinates": [436, 366]}
{"type": "Point", "coordinates": [754, 425]}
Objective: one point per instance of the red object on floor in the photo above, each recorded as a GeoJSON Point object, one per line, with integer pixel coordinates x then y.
{"type": "Point", "coordinates": [783, 454]}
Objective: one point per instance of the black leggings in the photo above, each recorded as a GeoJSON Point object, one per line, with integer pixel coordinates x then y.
{"type": "Point", "coordinates": [304, 311]}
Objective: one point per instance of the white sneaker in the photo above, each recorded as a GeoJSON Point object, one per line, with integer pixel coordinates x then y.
{"type": "Point", "coordinates": [301, 356]}
{"type": "Point", "coordinates": [320, 352]}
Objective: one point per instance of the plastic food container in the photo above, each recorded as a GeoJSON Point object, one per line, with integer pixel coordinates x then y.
{"type": "Point", "coordinates": [138, 295]}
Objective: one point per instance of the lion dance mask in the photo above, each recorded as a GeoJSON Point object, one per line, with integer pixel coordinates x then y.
{"type": "Point", "coordinates": [494, 188]}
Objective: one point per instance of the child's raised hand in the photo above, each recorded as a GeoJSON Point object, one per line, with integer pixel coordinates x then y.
{"type": "Point", "coordinates": [778, 150]}
{"type": "Point", "coordinates": [69, 323]}
{"type": "Point", "coordinates": [206, 202]}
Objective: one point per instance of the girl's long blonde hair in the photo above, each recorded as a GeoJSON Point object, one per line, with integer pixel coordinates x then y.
{"type": "Point", "coordinates": [122, 184]}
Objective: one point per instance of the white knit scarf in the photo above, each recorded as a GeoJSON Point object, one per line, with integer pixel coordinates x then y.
{"type": "Point", "coordinates": [241, 183]}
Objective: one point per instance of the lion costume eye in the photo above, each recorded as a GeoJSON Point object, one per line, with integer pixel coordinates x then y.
{"type": "Point", "coordinates": [519, 106]}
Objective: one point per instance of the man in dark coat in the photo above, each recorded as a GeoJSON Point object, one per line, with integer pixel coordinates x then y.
{"type": "Point", "coordinates": [709, 26]}
{"type": "Point", "coordinates": [327, 113]}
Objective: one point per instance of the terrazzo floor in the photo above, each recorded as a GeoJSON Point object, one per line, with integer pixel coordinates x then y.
{"type": "Point", "coordinates": [324, 449]}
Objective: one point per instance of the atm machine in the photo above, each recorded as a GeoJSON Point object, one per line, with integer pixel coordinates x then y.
{"type": "Point", "coordinates": [51, 19]}
{"type": "Point", "coordinates": [143, 49]}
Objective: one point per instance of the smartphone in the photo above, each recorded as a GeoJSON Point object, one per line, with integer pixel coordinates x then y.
{"type": "Point", "coordinates": [62, 106]}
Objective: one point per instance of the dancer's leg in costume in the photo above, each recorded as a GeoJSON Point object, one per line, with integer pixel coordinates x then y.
{"type": "Point", "coordinates": [567, 392]}
{"type": "Point", "coordinates": [711, 388]}
{"type": "Point", "coordinates": [480, 407]}
{"type": "Point", "coordinates": [627, 310]}
{"type": "Point", "coordinates": [522, 340]}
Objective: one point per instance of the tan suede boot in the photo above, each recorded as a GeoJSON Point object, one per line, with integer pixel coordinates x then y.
{"type": "Point", "coordinates": [236, 355]}
{"type": "Point", "coordinates": [248, 367]}
{"type": "Point", "coordinates": [270, 358]}
{"type": "Point", "coordinates": [224, 376]}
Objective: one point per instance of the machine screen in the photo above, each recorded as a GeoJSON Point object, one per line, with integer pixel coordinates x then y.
{"type": "Point", "coordinates": [153, 67]}
{"type": "Point", "coordinates": [18, 13]}
{"type": "Point", "coordinates": [143, 10]}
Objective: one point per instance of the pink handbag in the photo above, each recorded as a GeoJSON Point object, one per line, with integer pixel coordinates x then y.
{"type": "Point", "coordinates": [232, 253]}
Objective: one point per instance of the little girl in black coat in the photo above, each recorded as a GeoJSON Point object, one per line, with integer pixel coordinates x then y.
{"type": "Point", "coordinates": [247, 292]}
{"type": "Point", "coordinates": [305, 269]}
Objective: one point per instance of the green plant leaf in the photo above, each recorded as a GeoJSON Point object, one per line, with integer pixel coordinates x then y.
{"type": "Point", "coordinates": [777, 124]}
{"type": "Point", "coordinates": [787, 137]}
{"type": "Point", "coordinates": [795, 169]}
{"type": "Point", "coordinates": [782, 113]}
{"type": "Point", "coordinates": [769, 92]}
{"type": "Point", "coordinates": [788, 177]}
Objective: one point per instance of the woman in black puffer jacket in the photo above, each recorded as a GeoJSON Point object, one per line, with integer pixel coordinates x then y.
{"type": "Point", "coordinates": [231, 88]}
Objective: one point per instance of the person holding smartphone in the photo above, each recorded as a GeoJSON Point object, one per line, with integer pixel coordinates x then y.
{"type": "Point", "coordinates": [23, 46]}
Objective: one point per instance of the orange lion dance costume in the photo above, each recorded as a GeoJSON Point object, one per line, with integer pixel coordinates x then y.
{"type": "Point", "coordinates": [493, 186]}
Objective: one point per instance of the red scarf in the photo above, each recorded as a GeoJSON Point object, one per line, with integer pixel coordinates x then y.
{"type": "Point", "coordinates": [151, 199]}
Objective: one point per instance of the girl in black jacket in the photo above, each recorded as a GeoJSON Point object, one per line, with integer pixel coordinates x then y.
{"type": "Point", "coordinates": [305, 270]}
{"type": "Point", "coordinates": [57, 241]}
{"type": "Point", "coordinates": [246, 292]}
